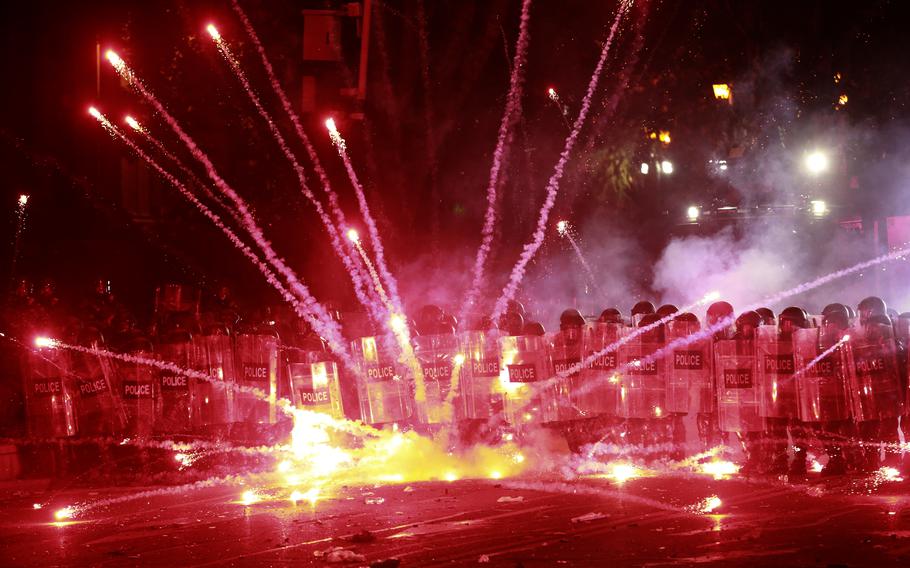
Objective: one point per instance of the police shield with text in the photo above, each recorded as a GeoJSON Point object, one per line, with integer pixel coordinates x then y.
{"type": "Point", "coordinates": [215, 398]}
{"type": "Point", "coordinates": [736, 382]}
{"type": "Point", "coordinates": [530, 398]}
{"type": "Point", "coordinates": [643, 383]}
{"type": "Point", "coordinates": [876, 392]}
{"type": "Point", "coordinates": [690, 383]}
{"type": "Point", "coordinates": [777, 382]}
{"type": "Point", "coordinates": [383, 389]}
{"type": "Point", "coordinates": [257, 374]}
{"type": "Point", "coordinates": [822, 382]}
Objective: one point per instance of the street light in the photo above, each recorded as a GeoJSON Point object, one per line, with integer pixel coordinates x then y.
{"type": "Point", "coordinates": [645, 168]}
{"type": "Point", "coordinates": [819, 208]}
{"type": "Point", "coordinates": [666, 167]}
{"type": "Point", "coordinates": [692, 213]}
{"type": "Point", "coordinates": [816, 162]}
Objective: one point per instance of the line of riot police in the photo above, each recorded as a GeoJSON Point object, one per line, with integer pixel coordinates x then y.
{"type": "Point", "coordinates": [775, 384]}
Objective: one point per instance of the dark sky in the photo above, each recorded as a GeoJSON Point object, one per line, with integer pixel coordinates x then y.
{"type": "Point", "coordinates": [783, 54]}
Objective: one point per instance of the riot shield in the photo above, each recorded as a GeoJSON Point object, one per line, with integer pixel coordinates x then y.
{"type": "Point", "coordinates": [736, 383]}
{"type": "Point", "coordinates": [690, 383]}
{"type": "Point", "coordinates": [436, 354]}
{"type": "Point", "coordinates": [480, 388]}
{"type": "Point", "coordinates": [257, 375]}
{"type": "Point", "coordinates": [100, 411]}
{"type": "Point", "coordinates": [49, 398]}
{"type": "Point", "coordinates": [215, 398]}
{"type": "Point", "coordinates": [529, 396]}
{"type": "Point", "coordinates": [138, 387]}
{"type": "Point", "coordinates": [875, 388]}
{"type": "Point", "coordinates": [314, 382]}
{"type": "Point", "coordinates": [643, 383]}
{"type": "Point", "coordinates": [776, 374]}
{"type": "Point", "coordinates": [822, 389]}
{"type": "Point", "coordinates": [595, 391]}
{"type": "Point", "coordinates": [385, 394]}
{"type": "Point", "coordinates": [569, 348]}
{"type": "Point", "coordinates": [176, 401]}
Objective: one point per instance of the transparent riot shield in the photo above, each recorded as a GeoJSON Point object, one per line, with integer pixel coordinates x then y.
{"type": "Point", "coordinates": [776, 374]}
{"type": "Point", "coordinates": [99, 409]}
{"type": "Point", "coordinates": [643, 383]}
{"type": "Point", "coordinates": [215, 398]}
{"type": "Point", "coordinates": [480, 387]}
{"type": "Point", "coordinates": [569, 348]}
{"type": "Point", "coordinates": [822, 382]}
{"type": "Point", "coordinates": [257, 375]}
{"type": "Point", "coordinates": [138, 386]}
{"type": "Point", "coordinates": [385, 394]}
{"type": "Point", "coordinates": [315, 383]}
{"type": "Point", "coordinates": [736, 380]}
{"type": "Point", "coordinates": [49, 398]}
{"type": "Point", "coordinates": [875, 389]}
{"type": "Point", "coordinates": [595, 391]}
{"type": "Point", "coordinates": [436, 355]}
{"type": "Point", "coordinates": [690, 382]}
{"type": "Point", "coordinates": [176, 403]}
{"type": "Point", "coordinates": [530, 396]}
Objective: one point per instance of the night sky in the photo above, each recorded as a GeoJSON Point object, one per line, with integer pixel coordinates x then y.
{"type": "Point", "coordinates": [781, 57]}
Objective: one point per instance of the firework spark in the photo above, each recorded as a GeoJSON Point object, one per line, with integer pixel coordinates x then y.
{"type": "Point", "coordinates": [510, 115]}
{"type": "Point", "coordinates": [531, 248]}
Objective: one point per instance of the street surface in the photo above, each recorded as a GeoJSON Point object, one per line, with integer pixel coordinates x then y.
{"type": "Point", "coordinates": [646, 521]}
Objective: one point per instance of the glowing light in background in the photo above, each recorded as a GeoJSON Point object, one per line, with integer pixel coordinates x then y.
{"type": "Point", "coordinates": [645, 168]}
{"type": "Point", "coordinates": [819, 208]}
{"type": "Point", "coordinates": [816, 162]}
{"type": "Point", "coordinates": [666, 167]}
{"type": "Point", "coordinates": [692, 213]}
{"type": "Point", "coordinates": [722, 91]}
{"type": "Point", "coordinates": [23, 200]}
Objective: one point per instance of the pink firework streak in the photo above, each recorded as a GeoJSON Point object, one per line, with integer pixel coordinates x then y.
{"type": "Point", "coordinates": [158, 364]}
{"type": "Point", "coordinates": [387, 277]}
{"type": "Point", "coordinates": [513, 108]}
{"type": "Point", "coordinates": [337, 211]}
{"type": "Point", "coordinates": [182, 167]}
{"type": "Point", "coordinates": [532, 247]}
{"type": "Point", "coordinates": [328, 328]}
{"type": "Point", "coordinates": [212, 216]}
{"type": "Point", "coordinates": [340, 250]}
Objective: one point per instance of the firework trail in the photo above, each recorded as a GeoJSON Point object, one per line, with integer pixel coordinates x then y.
{"type": "Point", "coordinates": [821, 356]}
{"type": "Point", "coordinates": [531, 248]}
{"type": "Point", "coordinates": [334, 205]}
{"type": "Point", "coordinates": [211, 215]}
{"type": "Point", "coordinates": [377, 282]}
{"type": "Point", "coordinates": [331, 229]}
{"type": "Point", "coordinates": [46, 342]}
{"type": "Point", "coordinates": [512, 110]}
{"type": "Point", "coordinates": [565, 230]}
{"type": "Point", "coordinates": [137, 127]}
{"type": "Point", "coordinates": [373, 230]}
{"type": "Point", "coordinates": [563, 108]}
{"type": "Point", "coordinates": [292, 115]}
{"type": "Point", "coordinates": [324, 324]}
{"type": "Point", "coordinates": [21, 216]}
